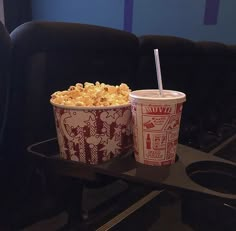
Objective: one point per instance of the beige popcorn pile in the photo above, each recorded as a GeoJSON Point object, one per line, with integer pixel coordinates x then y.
{"type": "Point", "coordinates": [89, 94]}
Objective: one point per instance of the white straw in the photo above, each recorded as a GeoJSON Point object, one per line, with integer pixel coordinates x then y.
{"type": "Point", "coordinates": [158, 70]}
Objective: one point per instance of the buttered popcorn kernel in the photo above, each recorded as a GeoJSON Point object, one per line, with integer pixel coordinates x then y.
{"type": "Point", "coordinates": [89, 94]}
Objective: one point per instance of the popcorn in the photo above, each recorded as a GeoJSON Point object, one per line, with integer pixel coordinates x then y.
{"type": "Point", "coordinates": [89, 94]}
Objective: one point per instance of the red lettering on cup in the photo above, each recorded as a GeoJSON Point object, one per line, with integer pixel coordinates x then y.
{"type": "Point", "coordinates": [157, 110]}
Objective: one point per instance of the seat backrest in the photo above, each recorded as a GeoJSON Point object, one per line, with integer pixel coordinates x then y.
{"type": "Point", "coordinates": [177, 61]}
{"type": "Point", "coordinates": [51, 56]}
{"type": "Point", "coordinates": [205, 71]}
{"type": "Point", "coordinates": [211, 81]}
{"type": "Point", "coordinates": [5, 50]}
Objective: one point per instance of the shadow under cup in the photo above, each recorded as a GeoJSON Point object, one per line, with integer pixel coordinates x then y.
{"type": "Point", "coordinates": [93, 135]}
{"type": "Point", "coordinates": [156, 123]}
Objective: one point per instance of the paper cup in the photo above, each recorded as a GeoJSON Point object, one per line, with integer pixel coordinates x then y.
{"type": "Point", "coordinates": [156, 122]}
{"type": "Point", "coordinates": [93, 135]}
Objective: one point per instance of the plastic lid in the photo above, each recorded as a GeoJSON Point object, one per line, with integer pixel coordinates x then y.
{"type": "Point", "coordinates": [154, 94]}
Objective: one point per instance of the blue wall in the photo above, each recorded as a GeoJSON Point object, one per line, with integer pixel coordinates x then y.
{"type": "Point", "coordinates": [184, 18]}
{"type": "Point", "coordinates": [99, 12]}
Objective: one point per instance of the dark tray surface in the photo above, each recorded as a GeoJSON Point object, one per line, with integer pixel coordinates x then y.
{"type": "Point", "coordinates": [125, 167]}
{"type": "Point", "coordinates": [228, 150]}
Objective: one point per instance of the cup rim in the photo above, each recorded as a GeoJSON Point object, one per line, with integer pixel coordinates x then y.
{"type": "Point", "coordinates": [180, 96]}
{"type": "Point", "coordinates": [90, 107]}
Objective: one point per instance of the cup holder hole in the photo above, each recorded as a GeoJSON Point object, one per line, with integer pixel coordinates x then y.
{"type": "Point", "coordinates": [217, 176]}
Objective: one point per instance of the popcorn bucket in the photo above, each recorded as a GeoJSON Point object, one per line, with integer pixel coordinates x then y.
{"type": "Point", "coordinates": [93, 135]}
{"type": "Point", "coordinates": [156, 122]}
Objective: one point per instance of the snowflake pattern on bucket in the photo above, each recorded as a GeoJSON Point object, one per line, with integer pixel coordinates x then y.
{"type": "Point", "coordinates": [95, 135]}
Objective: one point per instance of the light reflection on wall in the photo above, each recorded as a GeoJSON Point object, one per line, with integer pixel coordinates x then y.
{"type": "Point", "coordinates": [1, 12]}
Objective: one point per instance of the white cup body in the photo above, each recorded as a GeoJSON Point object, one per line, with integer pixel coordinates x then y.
{"type": "Point", "coordinates": [155, 125]}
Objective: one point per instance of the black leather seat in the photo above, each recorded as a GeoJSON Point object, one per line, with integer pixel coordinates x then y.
{"type": "Point", "coordinates": [51, 56]}
{"type": "Point", "coordinates": [205, 71]}
{"type": "Point", "coordinates": [177, 60]}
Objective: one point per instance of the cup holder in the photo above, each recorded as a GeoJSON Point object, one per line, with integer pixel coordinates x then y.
{"type": "Point", "coordinates": [217, 176]}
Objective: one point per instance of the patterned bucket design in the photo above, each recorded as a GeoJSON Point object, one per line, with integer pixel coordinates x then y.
{"type": "Point", "coordinates": [93, 136]}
